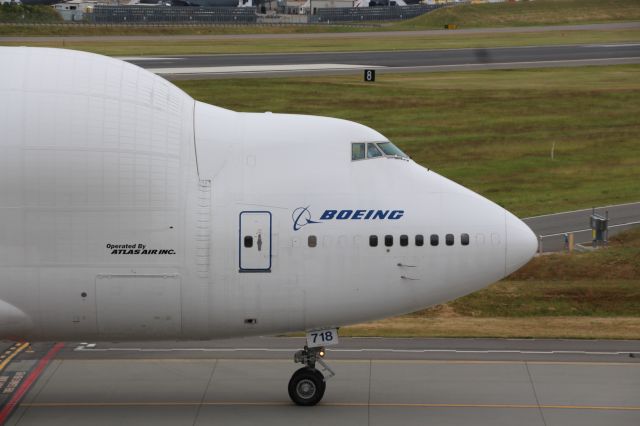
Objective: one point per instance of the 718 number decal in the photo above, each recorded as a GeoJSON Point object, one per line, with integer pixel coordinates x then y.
{"type": "Point", "coordinates": [326, 337]}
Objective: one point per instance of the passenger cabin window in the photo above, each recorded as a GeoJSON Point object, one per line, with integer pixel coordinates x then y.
{"type": "Point", "coordinates": [312, 241]}
{"type": "Point", "coordinates": [434, 240]}
{"type": "Point", "coordinates": [449, 239]}
{"type": "Point", "coordinates": [404, 240]}
{"type": "Point", "coordinates": [361, 150]}
{"type": "Point", "coordinates": [373, 151]}
{"type": "Point", "coordinates": [464, 239]}
{"type": "Point", "coordinates": [357, 151]}
{"type": "Point", "coordinates": [373, 240]}
{"type": "Point", "coordinates": [248, 241]}
{"type": "Point", "coordinates": [388, 240]}
{"type": "Point", "coordinates": [419, 240]}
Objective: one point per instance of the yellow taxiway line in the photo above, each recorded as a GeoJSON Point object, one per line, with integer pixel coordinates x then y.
{"type": "Point", "coordinates": [15, 352]}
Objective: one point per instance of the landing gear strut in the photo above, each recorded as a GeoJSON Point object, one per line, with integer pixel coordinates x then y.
{"type": "Point", "coordinates": [307, 385]}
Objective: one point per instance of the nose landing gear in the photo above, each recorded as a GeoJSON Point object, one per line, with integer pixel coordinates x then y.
{"type": "Point", "coordinates": [307, 385]}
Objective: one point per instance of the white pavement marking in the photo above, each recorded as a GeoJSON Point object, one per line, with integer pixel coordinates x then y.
{"type": "Point", "coordinates": [292, 68]}
{"type": "Point", "coordinates": [581, 210]}
{"type": "Point", "coordinates": [147, 58]}
{"type": "Point", "coordinates": [85, 348]}
{"type": "Point", "coordinates": [502, 64]}
{"type": "Point", "coordinates": [259, 68]}
{"type": "Point", "coordinates": [589, 229]}
{"type": "Point", "coordinates": [613, 45]}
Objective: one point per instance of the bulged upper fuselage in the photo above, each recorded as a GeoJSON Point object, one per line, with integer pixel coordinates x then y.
{"type": "Point", "coordinates": [130, 211]}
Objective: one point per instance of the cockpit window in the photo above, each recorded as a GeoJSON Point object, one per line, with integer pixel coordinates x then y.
{"type": "Point", "coordinates": [373, 151]}
{"type": "Point", "coordinates": [360, 150]}
{"type": "Point", "coordinates": [357, 151]}
{"type": "Point", "coordinates": [390, 149]}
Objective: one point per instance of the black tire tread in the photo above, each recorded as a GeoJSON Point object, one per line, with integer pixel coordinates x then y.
{"type": "Point", "coordinates": [307, 373]}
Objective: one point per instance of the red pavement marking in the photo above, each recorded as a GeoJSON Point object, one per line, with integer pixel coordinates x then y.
{"type": "Point", "coordinates": [26, 384]}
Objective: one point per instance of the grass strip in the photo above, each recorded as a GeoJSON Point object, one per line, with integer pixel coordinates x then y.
{"type": "Point", "coordinates": [535, 328]}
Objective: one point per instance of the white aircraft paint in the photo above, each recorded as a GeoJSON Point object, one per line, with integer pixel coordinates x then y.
{"type": "Point", "coordinates": [125, 204]}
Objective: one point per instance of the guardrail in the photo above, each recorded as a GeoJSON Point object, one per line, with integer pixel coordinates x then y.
{"type": "Point", "coordinates": [381, 13]}
{"type": "Point", "coordinates": [569, 244]}
{"type": "Point", "coordinates": [258, 24]}
{"type": "Point", "coordinates": [141, 14]}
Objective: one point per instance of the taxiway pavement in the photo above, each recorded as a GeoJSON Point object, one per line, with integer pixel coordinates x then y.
{"type": "Point", "coordinates": [494, 383]}
{"type": "Point", "coordinates": [553, 226]}
{"type": "Point", "coordinates": [209, 66]}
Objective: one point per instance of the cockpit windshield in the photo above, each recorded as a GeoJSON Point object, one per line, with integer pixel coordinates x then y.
{"type": "Point", "coordinates": [361, 151]}
{"type": "Point", "coordinates": [373, 151]}
{"type": "Point", "coordinates": [390, 149]}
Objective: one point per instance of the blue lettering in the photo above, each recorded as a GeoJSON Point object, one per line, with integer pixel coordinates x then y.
{"type": "Point", "coordinates": [358, 214]}
{"type": "Point", "coordinates": [300, 220]}
{"type": "Point", "coordinates": [344, 214]}
{"type": "Point", "coordinates": [381, 214]}
{"type": "Point", "coordinates": [396, 214]}
{"type": "Point", "coordinates": [328, 214]}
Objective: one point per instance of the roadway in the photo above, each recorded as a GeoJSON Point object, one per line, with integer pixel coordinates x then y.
{"type": "Point", "coordinates": [265, 65]}
{"type": "Point", "coordinates": [378, 382]}
{"type": "Point", "coordinates": [552, 226]}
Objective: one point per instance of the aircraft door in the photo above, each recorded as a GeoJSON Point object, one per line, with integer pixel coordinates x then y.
{"type": "Point", "coordinates": [255, 241]}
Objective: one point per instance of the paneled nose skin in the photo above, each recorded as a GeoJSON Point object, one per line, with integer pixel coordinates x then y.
{"type": "Point", "coordinates": [522, 243]}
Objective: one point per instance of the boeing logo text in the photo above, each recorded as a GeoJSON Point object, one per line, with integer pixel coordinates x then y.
{"type": "Point", "coordinates": [302, 216]}
{"type": "Point", "coordinates": [362, 214]}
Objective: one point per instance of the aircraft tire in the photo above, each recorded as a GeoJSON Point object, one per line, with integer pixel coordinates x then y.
{"type": "Point", "coordinates": [307, 386]}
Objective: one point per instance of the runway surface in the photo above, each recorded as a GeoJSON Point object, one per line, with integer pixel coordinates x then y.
{"type": "Point", "coordinates": [552, 226]}
{"type": "Point", "coordinates": [388, 61]}
{"type": "Point", "coordinates": [377, 382]}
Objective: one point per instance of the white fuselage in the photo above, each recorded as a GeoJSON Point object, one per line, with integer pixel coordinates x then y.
{"type": "Point", "coordinates": [130, 211]}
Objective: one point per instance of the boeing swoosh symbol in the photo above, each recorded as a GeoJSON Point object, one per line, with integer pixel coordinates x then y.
{"type": "Point", "coordinates": [301, 217]}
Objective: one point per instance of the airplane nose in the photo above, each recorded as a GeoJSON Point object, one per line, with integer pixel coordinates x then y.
{"type": "Point", "coordinates": [521, 245]}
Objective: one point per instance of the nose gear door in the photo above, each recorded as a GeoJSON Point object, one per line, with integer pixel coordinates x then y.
{"type": "Point", "coordinates": [255, 241]}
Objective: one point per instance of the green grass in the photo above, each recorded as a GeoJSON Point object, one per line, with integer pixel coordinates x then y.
{"type": "Point", "coordinates": [527, 13]}
{"type": "Point", "coordinates": [12, 29]}
{"type": "Point", "coordinates": [524, 13]}
{"type": "Point", "coordinates": [491, 131]}
{"type": "Point", "coordinates": [541, 327]}
{"type": "Point", "coordinates": [336, 44]}
{"type": "Point", "coordinates": [593, 298]}
{"type": "Point", "coordinates": [19, 13]}
{"type": "Point", "coordinates": [603, 283]}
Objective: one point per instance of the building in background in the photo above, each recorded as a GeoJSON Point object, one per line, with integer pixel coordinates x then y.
{"type": "Point", "coordinates": [74, 10]}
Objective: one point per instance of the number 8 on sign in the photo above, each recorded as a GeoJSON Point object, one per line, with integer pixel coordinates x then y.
{"type": "Point", "coordinates": [369, 75]}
